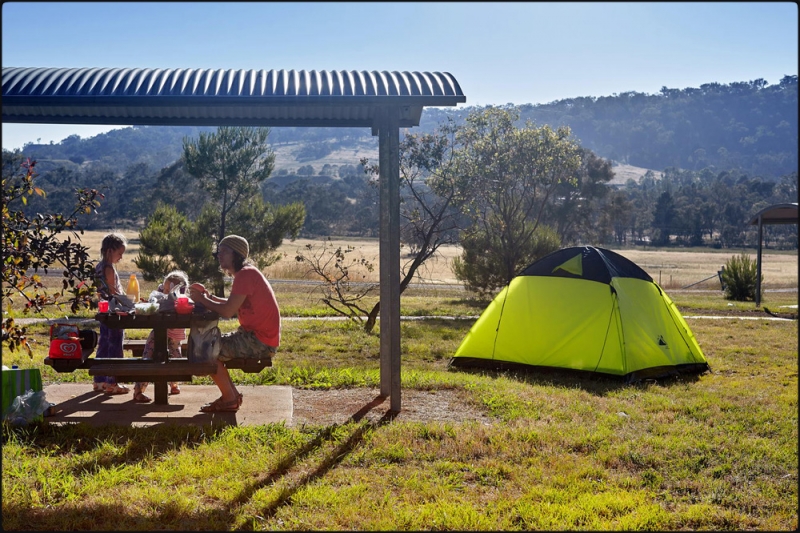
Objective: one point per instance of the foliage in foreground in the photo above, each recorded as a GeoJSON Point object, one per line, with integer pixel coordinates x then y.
{"type": "Point", "coordinates": [33, 245]}
{"type": "Point", "coordinates": [718, 452]}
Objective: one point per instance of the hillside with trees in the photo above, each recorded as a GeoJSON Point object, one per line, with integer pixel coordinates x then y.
{"type": "Point", "coordinates": [718, 153]}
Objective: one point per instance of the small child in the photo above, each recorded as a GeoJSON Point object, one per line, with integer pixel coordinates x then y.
{"type": "Point", "coordinates": [110, 343]}
{"type": "Point", "coordinates": [174, 279]}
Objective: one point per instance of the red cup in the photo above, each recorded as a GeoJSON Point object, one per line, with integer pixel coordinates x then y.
{"type": "Point", "coordinates": [102, 306]}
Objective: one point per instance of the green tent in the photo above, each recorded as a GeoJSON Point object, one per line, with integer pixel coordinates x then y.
{"type": "Point", "coordinates": [583, 308]}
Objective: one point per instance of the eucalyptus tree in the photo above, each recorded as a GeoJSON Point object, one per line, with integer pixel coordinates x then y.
{"type": "Point", "coordinates": [430, 211]}
{"type": "Point", "coordinates": [507, 175]}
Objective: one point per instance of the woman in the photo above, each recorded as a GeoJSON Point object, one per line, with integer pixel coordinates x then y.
{"type": "Point", "coordinates": [252, 299]}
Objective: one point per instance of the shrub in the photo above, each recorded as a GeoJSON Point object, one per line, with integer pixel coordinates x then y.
{"type": "Point", "coordinates": [739, 277]}
{"type": "Point", "coordinates": [484, 270]}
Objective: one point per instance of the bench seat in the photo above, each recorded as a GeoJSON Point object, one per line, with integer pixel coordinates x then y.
{"type": "Point", "coordinates": [250, 366]}
{"type": "Point", "coordinates": [146, 370]}
{"type": "Point", "coordinates": [141, 368]}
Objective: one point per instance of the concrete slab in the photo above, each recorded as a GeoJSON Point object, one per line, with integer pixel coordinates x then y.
{"type": "Point", "coordinates": [77, 402]}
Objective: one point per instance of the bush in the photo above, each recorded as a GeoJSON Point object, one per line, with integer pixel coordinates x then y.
{"type": "Point", "coordinates": [484, 270]}
{"type": "Point", "coordinates": [739, 277]}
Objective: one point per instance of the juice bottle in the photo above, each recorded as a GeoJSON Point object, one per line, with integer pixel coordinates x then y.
{"type": "Point", "coordinates": [133, 289]}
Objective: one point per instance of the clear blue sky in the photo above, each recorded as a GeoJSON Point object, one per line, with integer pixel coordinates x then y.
{"type": "Point", "coordinates": [499, 52]}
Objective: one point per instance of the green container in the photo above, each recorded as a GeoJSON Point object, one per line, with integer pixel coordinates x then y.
{"type": "Point", "coordinates": [17, 382]}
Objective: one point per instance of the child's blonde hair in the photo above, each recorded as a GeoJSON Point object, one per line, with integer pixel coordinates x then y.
{"type": "Point", "coordinates": [177, 277]}
{"type": "Point", "coordinates": [112, 241]}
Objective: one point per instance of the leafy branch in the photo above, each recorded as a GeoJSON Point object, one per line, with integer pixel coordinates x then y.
{"type": "Point", "coordinates": [31, 244]}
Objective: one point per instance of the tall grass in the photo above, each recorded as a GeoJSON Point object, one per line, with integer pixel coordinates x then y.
{"type": "Point", "coordinates": [714, 452]}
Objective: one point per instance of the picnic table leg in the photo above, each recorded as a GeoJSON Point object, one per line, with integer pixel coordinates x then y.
{"type": "Point", "coordinates": [160, 354]}
{"type": "Point", "coordinates": [160, 388]}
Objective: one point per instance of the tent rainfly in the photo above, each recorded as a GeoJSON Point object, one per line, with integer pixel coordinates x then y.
{"type": "Point", "coordinates": [586, 309]}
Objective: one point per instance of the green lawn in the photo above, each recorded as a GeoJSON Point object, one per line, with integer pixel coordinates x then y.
{"type": "Point", "coordinates": [715, 452]}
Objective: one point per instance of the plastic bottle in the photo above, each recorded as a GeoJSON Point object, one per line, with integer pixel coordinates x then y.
{"type": "Point", "coordinates": [133, 289]}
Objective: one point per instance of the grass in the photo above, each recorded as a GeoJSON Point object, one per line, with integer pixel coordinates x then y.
{"type": "Point", "coordinates": [715, 452]}
{"type": "Point", "coordinates": [672, 268]}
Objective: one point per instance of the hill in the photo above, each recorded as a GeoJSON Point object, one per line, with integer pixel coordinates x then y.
{"type": "Point", "coordinates": [745, 126]}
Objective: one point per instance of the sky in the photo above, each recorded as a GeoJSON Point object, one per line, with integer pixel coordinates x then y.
{"type": "Point", "coordinates": [515, 52]}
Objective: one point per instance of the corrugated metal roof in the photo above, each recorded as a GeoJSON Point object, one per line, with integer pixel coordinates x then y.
{"type": "Point", "coordinates": [777, 214]}
{"type": "Point", "coordinates": [220, 97]}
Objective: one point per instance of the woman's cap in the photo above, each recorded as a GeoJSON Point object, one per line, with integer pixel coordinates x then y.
{"type": "Point", "coordinates": [237, 244]}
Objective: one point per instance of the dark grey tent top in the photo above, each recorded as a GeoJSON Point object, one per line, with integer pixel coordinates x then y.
{"type": "Point", "coordinates": [777, 214]}
{"type": "Point", "coordinates": [208, 97]}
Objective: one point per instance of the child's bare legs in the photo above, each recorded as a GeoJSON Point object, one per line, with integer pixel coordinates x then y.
{"type": "Point", "coordinates": [174, 347]}
{"type": "Point", "coordinates": [141, 386]}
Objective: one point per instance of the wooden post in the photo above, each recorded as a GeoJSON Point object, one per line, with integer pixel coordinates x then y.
{"type": "Point", "coordinates": [389, 162]}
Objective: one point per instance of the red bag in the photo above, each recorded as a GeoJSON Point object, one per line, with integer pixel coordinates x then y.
{"type": "Point", "coordinates": [65, 342]}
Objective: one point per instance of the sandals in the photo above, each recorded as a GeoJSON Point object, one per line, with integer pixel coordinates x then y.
{"type": "Point", "coordinates": [174, 389]}
{"type": "Point", "coordinates": [140, 397]}
{"type": "Point", "coordinates": [99, 386]}
{"type": "Point", "coordinates": [116, 388]}
{"type": "Point", "coordinates": [218, 406]}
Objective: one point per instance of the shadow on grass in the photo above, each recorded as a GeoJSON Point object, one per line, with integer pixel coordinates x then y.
{"type": "Point", "coordinates": [475, 303]}
{"type": "Point", "coordinates": [335, 456]}
{"type": "Point", "coordinates": [591, 382]}
{"type": "Point", "coordinates": [149, 441]}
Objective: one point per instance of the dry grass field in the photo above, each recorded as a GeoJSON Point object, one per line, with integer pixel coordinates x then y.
{"type": "Point", "coordinates": [672, 269]}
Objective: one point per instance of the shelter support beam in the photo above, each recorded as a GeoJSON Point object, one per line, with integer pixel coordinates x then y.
{"type": "Point", "coordinates": [758, 261]}
{"type": "Point", "coordinates": [389, 163]}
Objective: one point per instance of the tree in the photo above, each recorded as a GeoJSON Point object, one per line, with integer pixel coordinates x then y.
{"type": "Point", "coordinates": [663, 217]}
{"type": "Point", "coordinates": [506, 176]}
{"type": "Point", "coordinates": [574, 206]}
{"type": "Point", "coordinates": [171, 241]}
{"type": "Point", "coordinates": [431, 199]}
{"type": "Point", "coordinates": [31, 244]}
{"type": "Point", "coordinates": [429, 210]}
{"type": "Point", "coordinates": [230, 164]}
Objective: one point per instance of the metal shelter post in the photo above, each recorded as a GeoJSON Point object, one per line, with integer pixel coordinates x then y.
{"type": "Point", "coordinates": [389, 163]}
{"type": "Point", "coordinates": [758, 261]}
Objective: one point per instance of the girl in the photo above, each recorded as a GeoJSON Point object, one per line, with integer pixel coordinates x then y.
{"type": "Point", "coordinates": [110, 343]}
{"type": "Point", "coordinates": [174, 279]}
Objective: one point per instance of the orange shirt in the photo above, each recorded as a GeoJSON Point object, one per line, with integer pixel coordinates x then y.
{"type": "Point", "coordinates": [259, 312]}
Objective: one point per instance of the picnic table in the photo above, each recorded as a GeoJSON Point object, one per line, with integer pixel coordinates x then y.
{"type": "Point", "coordinates": [161, 369]}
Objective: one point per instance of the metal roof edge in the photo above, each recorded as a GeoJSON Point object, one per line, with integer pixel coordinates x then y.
{"type": "Point", "coordinates": [777, 208]}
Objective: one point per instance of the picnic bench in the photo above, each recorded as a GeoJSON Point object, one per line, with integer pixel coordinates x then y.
{"type": "Point", "coordinates": [160, 369]}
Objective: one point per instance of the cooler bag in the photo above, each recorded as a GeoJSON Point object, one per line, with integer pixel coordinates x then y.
{"type": "Point", "coordinates": [65, 342]}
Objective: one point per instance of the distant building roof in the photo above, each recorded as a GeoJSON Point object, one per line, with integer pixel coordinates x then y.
{"type": "Point", "coordinates": [209, 97]}
{"type": "Point", "coordinates": [777, 214]}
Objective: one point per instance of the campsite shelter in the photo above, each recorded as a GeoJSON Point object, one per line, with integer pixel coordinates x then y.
{"type": "Point", "coordinates": [774, 214]}
{"type": "Point", "coordinates": [584, 309]}
{"type": "Point", "coordinates": [381, 100]}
